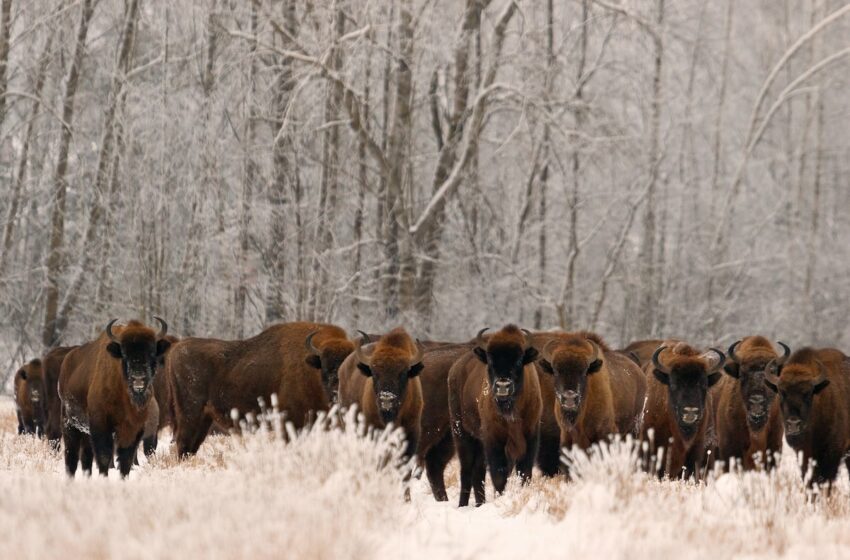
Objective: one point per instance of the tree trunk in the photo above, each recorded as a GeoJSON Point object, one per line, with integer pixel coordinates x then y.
{"type": "Point", "coordinates": [51, 332]}
{"type": "Point", "coordinates": [5, 36]}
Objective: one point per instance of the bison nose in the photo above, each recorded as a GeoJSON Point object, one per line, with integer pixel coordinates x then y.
{"type": "Point", "coordinates": [35, 396]}
{"type": "Point", "coordinates": [569, 399]}
{"type": "Point", "coordinates": [690, 414]}
{"type": "Point", "coordinates": [793, 425]}
{"type": "Point", "coordinates": [756, 407]}
{"type": "Point", "coordinates": [387, 400]}
{"type": "Point", "coordinates": [504, 387]}
{"type": "Point", "coordinates": [138, 383]}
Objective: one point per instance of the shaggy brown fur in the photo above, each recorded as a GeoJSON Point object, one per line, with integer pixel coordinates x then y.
{"type": "Point", "coordinates": [814, 392]}
{"type": "Point", "coordinates": [52, 365]}
{"type": "Point", "coordinates": [382, 379]}
{"type": "Point", "coordinates": [164, 416]}
{"type": "Point", "coordinates": [106, 389]}
{"type": "Point", "coordinates": [209, 377]}
{"type": "Point", "coordinates": [30, 395]}
{"type": "Point", "coordinates": [747, 418]}
{"type": "Point", "coordinates": [640, 351]}
{"type": "Point", "coordinates": [495, 405]}
{"type": "Point", "coordinates": [598, 392]}
{"type": "Point", "coordinates": [684, 393]}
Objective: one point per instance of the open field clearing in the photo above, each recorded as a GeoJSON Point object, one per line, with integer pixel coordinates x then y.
{"type": "Point", "coordinates": [323, 497]}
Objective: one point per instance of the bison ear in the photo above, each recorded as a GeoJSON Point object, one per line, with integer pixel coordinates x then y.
{"type": "Point", "coordinates": [114, 350]}
{"type": "Point", "coordinates": [529, 356]}
{"type": "Point", "coordinates": [481, 354]}
{"type": "Point", "coordinates": [594, 367]}
{"type": "Point", "coordinates": [714, 378]}
{"type": "Point", "coordinates": [314, 361]}
{"type": "Point", "coordinates": [820, 386]}
{"type": "Point", "coordinates": [731, 369]}
{"type": "Point", "coordinates": [634, 357]}
{"type": "Point", "coordinates": [546, 366]}
{"type": "Point", "coordinates": [661, 376]}
{"type": "Point", "coordinates": [415, 369]}
{"type": "Point", "coordinates": [162, 346]}
{"type": "Point", "coordinates": [364, 369]}
{"type": "Point", "coordinates": [23, 374]}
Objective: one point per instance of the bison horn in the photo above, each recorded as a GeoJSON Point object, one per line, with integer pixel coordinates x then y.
{"type": "Point", "coordinates": [658, 365]}
{"type": "Point", "coordinates": [309, 342]}
{"type": "Point", "coordinates": [109, 330]}
{"type": "Point", "coordinates": [419, 354]}
{"type": "Point", "coordinates": [595, 351]}
{"type": "Point", "coordinates": [359, 355]}
{"type": "Point", "coordinates": [549, 348]}
{"type": "Point", "coordinates": [721, 360]}
{"type": "Point", "coordinates": [479, 338]}
{"type": "Point", "coordinates": [732, 355]}
{"type": "Point", "coordinates": [163, 327]}
{"type": "Point", "coordinates": [786, 353]}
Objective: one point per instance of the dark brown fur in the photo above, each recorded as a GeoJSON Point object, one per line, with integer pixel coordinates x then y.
{"type": "Point", "coordinates": [30, 397]}
{"type": "Point", "coordinates": [209, 377]}
{"type": "Point", "coordinates": [825, 436]}
{"type": "Point", "coordinates": [610, 390]}
{"type": "Point", "coordinates": [505, 431]}
{"type": "Point", "coordinates": [738, 438]}
{"type": "Point", "coordinates": [52, 364]}
{"type": "Point", "coordinates": [96, 399]}
{"type": "Point", "coordinates": [682, 455]}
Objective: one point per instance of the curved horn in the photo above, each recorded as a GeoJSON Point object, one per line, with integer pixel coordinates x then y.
{"type": "Point", "coordinates": [719, 363]}
{"type": "Point", "coordinates": [479, 339]}
{"type": "Point", "coordinates": [109, 330]}
{"type": "Point", "coordinates": [420, 353]}
{"type": "Point", "coordinates": [309, 342]}
{"type": "Point", "coordinates": [359, 354]}
{"type": "Point", "coordinates": [163, 327]}
{"type": "Point", "coordinates": [595, 351]}
{"type": "Point", "coordinates": [731, 354]}
{"type": "Point", "coordinates": [527, 334]}
{"type": "Point", "coordinates": [786, 353]}
{"type": "Point", "coordinates": [547, 352]}
{"type": "Point", "coordinates": [658, 365]}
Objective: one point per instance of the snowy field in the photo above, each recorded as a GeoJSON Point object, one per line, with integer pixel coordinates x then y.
{"type": "Point", "coordinates": [323, 496]}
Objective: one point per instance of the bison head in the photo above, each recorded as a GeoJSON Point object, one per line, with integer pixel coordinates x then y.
{"type": "Point", "coordinates": [326, 356]}
{"type": "Point", "coordinates": [797, 386]}
{"type": "Point", "coordinates": [392, 361]}
{"type": "Point", "coordinates": [505, 354]}
{"type": "Point", "coordinates": [749, 369]}
{"type": "Point", "coordinates": [688, 378]}
{"type": "Point", "coordinates": [571, 363]}
{"type": "Point", "coordinates": [36, 392]}
{"type": "Point", "coordinates": [139, 350]}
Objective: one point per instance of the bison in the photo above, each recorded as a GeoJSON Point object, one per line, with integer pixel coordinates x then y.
{"type": "Point", "coordinates": [382, 379]}
{"type": "Point", "coordinates": [598, 392]}
{"type": "Point", "coordinates": [814, 392]}
{"type": "Point", "coordinates": [495, 405]}
{"type": "Point", "coordinates": [640, 351]}
{"type": "Point", "coordinates": [208, 378]}
{"type": "Point", "coordinates": [678, 406]}
{"type": "Point", "coordinates": [747, 418]}
{"type": "Point", "coordinates": [106, 387]}
{"type": "Point", "coordinates": [161, 414]}
{"type": "Point", "coordinates": [30, 394]}
{"type": "Point", "coordinates": [52, 365]}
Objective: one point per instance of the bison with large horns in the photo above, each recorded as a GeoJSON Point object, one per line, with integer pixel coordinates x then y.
{"type": "Point", "coordinates": [106, 386]}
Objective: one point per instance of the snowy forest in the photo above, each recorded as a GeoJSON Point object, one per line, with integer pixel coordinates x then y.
{"type": "Point", "coordinates": [639, 168]}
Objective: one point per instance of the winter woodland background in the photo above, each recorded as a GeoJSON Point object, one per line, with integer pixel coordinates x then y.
{"type": "Point", "coordinates": [641, 168]}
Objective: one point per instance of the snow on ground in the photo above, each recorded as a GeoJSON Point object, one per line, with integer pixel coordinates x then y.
{"type": "Point", "coordinates": [323, 496]}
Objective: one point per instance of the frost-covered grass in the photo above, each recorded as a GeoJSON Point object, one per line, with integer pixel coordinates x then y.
{"type": "Point", "coordinates": [324, 496]}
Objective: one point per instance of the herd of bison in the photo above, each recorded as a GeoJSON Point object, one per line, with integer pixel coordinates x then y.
{"type": "Point", "coordinates": [505, 400]}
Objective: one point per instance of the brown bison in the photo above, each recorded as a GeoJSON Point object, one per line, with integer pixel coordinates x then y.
{"type": "Point", "coordinates": [640, 351]}
{"type": "Point", "coordinates": [106, 387]}
{"type": "Point", "coordinates": [30, 394]}
{"type": "Point", "coordinates": [747, 418]}
{"type": "Point", "coordinates": [208, 378]}
{"type": "Point", "coordinates": [382, 379]}
{"type": "Point", "coordinates": [678, 406]}
{"type": "Point", "coordinates": [598, 392]}
{"type": "Point", "coordinates": [52, 365]}
{"type": "Point", "coordinates": [814, 392]}
{"type": "Point", "coordinates": [495, 405]}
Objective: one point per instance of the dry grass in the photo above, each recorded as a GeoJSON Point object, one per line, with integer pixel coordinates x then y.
{"type": "Point", "coordinates": [323, 496]}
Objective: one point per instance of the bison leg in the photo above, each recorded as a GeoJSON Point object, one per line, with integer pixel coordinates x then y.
{"type": "Point", "coordinates": [470, 453]}
{"type": "Point", "coordinates": [526, 463]}
{"type": "Point", "coordinates": [191, 433]}
{"type": "Point", "coordinates": [103, 448]}
{"type": "Point", "coordinates": [500, 468]}
{"type": "Point", "coordinates": [86, 455]}
{"type": "Point", "coordinates": [126, 456]}
{"type": "Point", "coordinates": [435, 465]}
{"type": "Point", "coordinates": [72, 437]}
{"type": "Point", "coordinates": [149, 445]}
{"type": "Point", "coordinates": [549, 453]}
